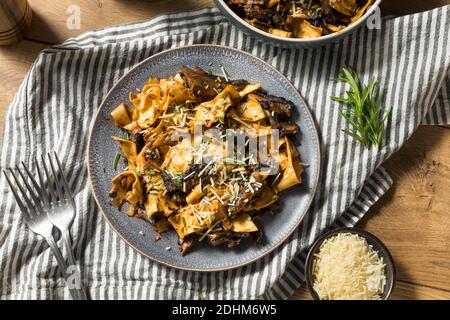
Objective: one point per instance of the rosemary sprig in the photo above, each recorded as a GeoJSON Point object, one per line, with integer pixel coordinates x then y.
{"type": "Point", "coordinates": [362, 108]}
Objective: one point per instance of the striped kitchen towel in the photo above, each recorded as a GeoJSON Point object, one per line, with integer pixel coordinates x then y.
{"type": "Point", "coordinates": [59, 97]}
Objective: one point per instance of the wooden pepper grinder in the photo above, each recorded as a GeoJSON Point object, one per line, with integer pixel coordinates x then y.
{"type": "Point", "coordinates": [15, 20]}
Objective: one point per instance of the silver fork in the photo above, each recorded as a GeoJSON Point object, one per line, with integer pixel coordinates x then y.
{"type": "Point", "coordinates": [60, 207]}
{"type": "Point", "coordinates": [44, 208]}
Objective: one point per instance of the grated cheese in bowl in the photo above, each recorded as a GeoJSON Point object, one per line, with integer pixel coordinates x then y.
{"type": "Point", "coordinates": [346, 267]}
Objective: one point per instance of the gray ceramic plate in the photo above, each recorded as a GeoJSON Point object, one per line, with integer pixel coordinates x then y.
{"type": "Point", "coordinates": [101, 150]}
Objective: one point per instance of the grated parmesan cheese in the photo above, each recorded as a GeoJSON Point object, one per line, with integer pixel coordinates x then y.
{"type": "Point", "coordinates": [346, 267]}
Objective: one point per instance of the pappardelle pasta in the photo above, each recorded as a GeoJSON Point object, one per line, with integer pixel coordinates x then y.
{"type": "Point", "coordinates": [205, 156]}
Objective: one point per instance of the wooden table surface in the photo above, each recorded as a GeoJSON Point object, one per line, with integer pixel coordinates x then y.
{"type": "Point", "coordinates": [413, 219]}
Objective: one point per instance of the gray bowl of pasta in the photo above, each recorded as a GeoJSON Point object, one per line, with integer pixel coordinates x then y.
{"type": "Point", "coordinates": [302, 23]}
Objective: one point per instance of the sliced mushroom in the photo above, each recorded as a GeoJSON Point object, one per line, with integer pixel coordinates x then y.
{"type": "Point", "coordinates": [289, 128]}
{"type": "Point", "coordinates": [231, 239]}
{"type": "Point", "coordinates": [186, 245]}
{"type": "Point", "coordinates": [279, 106]}
{"type": "Point", "coordinates": [201, 83]}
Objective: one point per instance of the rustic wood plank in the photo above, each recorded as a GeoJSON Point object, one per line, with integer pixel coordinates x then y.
{"type": "Point", "coordinates": [408, 291]}
{"type": "Point", "coordinates": [413, 218]}
{"type": "Point", "coordinates": [50, 17]}
{"type": "Point", "coordinates": [302, 293]}
{"type": "Point", "coordinates": [52, 28]}
{"type": "Point", "coordinates": [402, 291]}
{"type": "Point", "coordinates": [410, 6]}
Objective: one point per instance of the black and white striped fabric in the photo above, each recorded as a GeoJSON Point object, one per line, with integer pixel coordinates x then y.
{"type": "Point", "coordinates": [56, 103]}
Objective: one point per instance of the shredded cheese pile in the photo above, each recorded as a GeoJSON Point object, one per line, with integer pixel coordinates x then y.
{"type": "Point", "coordinates": [347, 268]}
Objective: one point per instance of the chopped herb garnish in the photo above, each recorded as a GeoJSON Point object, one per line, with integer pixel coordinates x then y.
{"type": "Point", "coordinates": [126, 135]}
{"type": "Point", "coordinates": [209, 71]}
{"type": "Point", "coordinates": [116, 160]}
{"type": "Point", "coordinates": [177, 183]}
{"type": "Point", "coordinates": [220, 120]}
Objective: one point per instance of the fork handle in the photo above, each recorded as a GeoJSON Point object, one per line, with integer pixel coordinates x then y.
{"type": "Point", "coordinates": [63, 266]}
{"type": "Point", "coordinates": [72, 262]}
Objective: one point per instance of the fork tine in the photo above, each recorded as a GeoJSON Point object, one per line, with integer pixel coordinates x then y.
{"type": "Point", "coordinates": [28, 202]}
{"type": "Point", "coordinates": [57, 181]}
{"type": "Point", "coordinates": [39, 190]}
{"type": "Point", "coordinates": [49, 181]}
{"type": "Point", "coordinates": [68, 192]}
{"type": "Point", "coordinates": [16, 196]}
{"type": "Point", "coordinates": [30, 189]}
{"type": "Point", "coordinates": [44, 194]}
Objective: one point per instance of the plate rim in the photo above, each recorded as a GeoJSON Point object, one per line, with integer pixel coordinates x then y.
{"type": "Point", "coordinates": [90, 161]}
